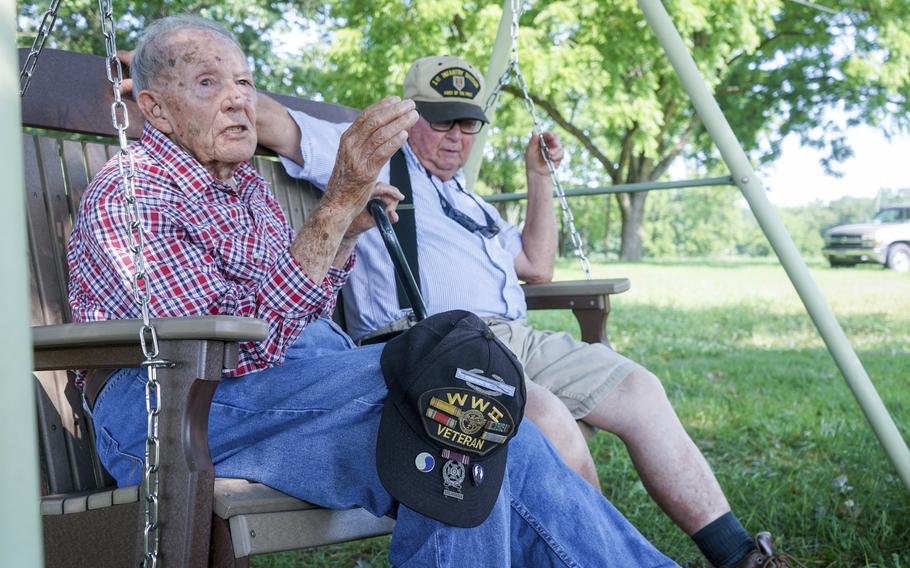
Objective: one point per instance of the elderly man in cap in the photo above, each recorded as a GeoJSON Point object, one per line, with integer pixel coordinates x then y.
{"type": "Point", "coordinates": [306, 411]}
{"type": "Point", "coordinates": [470, 258]}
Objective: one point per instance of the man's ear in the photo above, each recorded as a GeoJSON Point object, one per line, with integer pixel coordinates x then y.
{"type": "Point", "coordinates": [154, 111]}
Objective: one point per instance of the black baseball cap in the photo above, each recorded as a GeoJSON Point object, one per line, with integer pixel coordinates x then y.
{"type": "Point", "coordinates": [456, 398]}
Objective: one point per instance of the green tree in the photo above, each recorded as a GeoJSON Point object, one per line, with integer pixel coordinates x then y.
{"type": "Point", "coordinates": [596, 71]}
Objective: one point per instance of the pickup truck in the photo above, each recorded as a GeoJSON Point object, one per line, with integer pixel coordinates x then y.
{"type": "Point", "coordinates": [884, 240]}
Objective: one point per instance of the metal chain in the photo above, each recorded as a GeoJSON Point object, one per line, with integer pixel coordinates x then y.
{"type": "Point", "coordinates": [44, 30]}
{"type": "Point", "coordinates": [513, 70]}
{"type": "Point", "coordinates": [148, 337]}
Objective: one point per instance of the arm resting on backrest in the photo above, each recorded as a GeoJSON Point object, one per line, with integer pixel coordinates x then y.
{"type": "Point", "coordinates": [199, 348]}
{"type": "Point", "coordinates": [589, 301]}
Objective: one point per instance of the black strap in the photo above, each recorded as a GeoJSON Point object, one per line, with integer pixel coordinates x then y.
{"type": "Point", "coordinates": [406, 227]}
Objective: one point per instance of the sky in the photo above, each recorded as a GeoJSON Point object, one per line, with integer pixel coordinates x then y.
{"type": "Point", "coordinates": [797, 177]}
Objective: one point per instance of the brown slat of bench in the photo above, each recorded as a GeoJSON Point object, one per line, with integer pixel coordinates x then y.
{"type": "Point", "coordinates": [95, 158]}
{"type": "Point", "coordinates": [74, 173]}
{"type": "Point", "coordinates": [57, 211]}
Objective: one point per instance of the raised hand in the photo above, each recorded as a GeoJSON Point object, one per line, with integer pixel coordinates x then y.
{"type": "Point", "coordinates": [534, 161]}
{"type": "Point", "coordinates": [365, 147]}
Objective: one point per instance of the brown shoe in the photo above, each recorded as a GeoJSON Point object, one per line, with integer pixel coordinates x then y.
{"type": "Point", "coordinates": [766, 557]}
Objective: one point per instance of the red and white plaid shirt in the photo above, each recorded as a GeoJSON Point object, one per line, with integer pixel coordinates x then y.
{"type": "Point", "coordinates": [209, 250]}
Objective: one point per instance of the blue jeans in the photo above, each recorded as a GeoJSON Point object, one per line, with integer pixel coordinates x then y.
{"type": "Point", "coordinates": [308, 428]}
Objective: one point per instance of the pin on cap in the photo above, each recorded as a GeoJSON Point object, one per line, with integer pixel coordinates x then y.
{"type": "Point", "coordinates": [425, 462]}
{"type": "Point", "coordinates": [452, 478]}
{"type": "Point", "coordinates": [477, 474]}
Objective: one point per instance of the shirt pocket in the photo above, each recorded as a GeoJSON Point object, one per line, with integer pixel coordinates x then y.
{"type": "Point", "coordinates": [246, 256]}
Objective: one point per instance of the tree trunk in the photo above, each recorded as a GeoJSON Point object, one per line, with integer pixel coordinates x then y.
{"type": "Point", "coordinates": [632, 209]}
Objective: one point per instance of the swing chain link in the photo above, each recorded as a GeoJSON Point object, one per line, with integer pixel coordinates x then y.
{"type": "Point", "coordinates": [141, 288]}
{"type": "Point", "coordinates": [513, 70]}
{"type": "Point", "coordinates": [44, 30]}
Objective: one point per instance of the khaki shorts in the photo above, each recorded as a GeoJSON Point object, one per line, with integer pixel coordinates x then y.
{"type": "Point", "coordinates": [580, 374]}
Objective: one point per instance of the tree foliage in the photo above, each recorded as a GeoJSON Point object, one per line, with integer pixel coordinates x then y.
{"type": "Point", "coordinates": [596, 74]}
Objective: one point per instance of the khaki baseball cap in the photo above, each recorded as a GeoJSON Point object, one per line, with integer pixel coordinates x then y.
{"type": "Point", "coordinates": [445, 88]}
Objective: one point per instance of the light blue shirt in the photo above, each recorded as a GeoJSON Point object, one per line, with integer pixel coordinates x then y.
{"type": "Point", "coordinates": [458, 269]}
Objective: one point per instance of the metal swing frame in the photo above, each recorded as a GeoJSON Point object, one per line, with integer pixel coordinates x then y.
{"type": "Point", "coordinates": [20, 525]}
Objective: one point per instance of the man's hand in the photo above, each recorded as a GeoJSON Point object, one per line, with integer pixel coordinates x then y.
{"type": "Point", "coordinates": [330, 233]}
{"type": "Point", "coordinates": [365, 147]}
{"type": "Point", "coordinates": [126, 58]}
{"type": "Point", "coordinates": [534, 162]}
{"type": "Point", "coordinates": [386, 193]}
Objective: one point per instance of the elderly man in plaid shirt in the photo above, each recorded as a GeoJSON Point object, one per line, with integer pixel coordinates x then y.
{"type": "Point", "coordinates": [302, 410]}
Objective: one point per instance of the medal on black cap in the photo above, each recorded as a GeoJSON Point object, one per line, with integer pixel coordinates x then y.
{"type": "Point", "coordinates": [452, 478]}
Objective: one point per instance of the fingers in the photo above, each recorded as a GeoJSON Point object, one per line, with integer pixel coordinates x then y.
{"type": "Point", "coordinates": [371, 140]}
{"type": "Point", "coordinates": [389, 194]}
{"type": "Point", "coordinates": [381, 129]}
{"type": "Point", "coordinates": [550, 144]}
{"type": "Point", "coordinates": [126, 58]}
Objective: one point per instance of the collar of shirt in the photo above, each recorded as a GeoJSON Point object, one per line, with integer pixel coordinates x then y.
{"type": "Point", "coordinates": [414, 163]}
{"type": "Point", "coordinates": [193, 180]}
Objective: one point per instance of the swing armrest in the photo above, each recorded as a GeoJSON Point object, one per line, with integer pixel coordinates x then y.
{"type": "Point", "coordinates": [115, 343]}
{"type": "Point", "coordinates": [589, 301]}
{"type": "Point", "coordinates": [197, 350]}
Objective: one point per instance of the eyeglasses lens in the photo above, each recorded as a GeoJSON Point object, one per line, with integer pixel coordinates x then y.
{"type": "Point", "coordinates": [467, 126]}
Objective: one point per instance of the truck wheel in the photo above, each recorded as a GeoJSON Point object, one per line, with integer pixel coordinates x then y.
{"type": "Point", "coordinates": [899, 257]}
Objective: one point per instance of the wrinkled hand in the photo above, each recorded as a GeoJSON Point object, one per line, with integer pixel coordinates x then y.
{"type": "Point", "coordinates": [389, 195]}
{"type": "Point", "coordinates": [126, 58]}
{"type": "Point", "coordinates": [365, 147]}
{"type": "Point", "coordinates": [534, 161]}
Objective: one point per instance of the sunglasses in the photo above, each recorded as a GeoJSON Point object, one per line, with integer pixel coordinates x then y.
{"type": "Point", "coordinates": [488, 231]}
{"type": "Point", "coordinates": [466, 125]}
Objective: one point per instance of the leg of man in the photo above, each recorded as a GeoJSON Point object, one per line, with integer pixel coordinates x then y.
{"type": "Point", "coordinates": [308, 428]}
{"type": "Point", "coordinates": [610, 392]}
{"type": "Point", "coordinates": [551, 416]}
{"type": "Point", "coordinates": [672, 468]}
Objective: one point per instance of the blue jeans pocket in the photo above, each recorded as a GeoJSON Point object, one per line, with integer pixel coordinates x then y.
{"type": "Point", "coordinates": [125, 468]}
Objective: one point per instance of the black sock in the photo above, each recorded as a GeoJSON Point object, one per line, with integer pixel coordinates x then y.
{"type": "Point", "coordinates": [724, 541]}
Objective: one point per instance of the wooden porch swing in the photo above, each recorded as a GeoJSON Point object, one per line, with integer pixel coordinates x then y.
{"type": "Point", "coordinates": [203, 521]}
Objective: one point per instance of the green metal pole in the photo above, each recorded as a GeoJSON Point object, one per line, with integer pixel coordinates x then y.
{"type": "Point", "coordinates": [622, 188]}
{"type": "Point", "coordinates": [20, 521]}
{"type": "Point", "coordinates": [498, 61]}
{"type": "Point", "coordinates": [753, 190]}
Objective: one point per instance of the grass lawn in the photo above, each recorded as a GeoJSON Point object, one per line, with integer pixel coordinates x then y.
{"type": "Point", "coordinates": [759, 393]}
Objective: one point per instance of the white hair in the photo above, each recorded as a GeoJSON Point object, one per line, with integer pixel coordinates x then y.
{"type": "Point", "coordinates": [149, 59]}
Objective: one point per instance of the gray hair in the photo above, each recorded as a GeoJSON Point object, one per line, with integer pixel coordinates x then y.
{"type": "Point", "coordinates": [149, 58]}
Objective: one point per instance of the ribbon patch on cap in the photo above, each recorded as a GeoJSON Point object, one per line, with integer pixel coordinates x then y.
{"type": "Point", "coordinates": [465, 420]}
{"type": "Point", "coordinates": [455, 82]}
